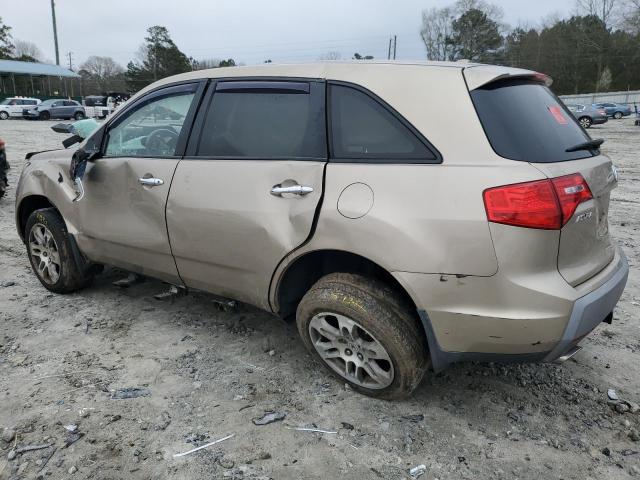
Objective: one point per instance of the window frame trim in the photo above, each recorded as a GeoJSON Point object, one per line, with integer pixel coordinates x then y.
{"type": "Point", "coordinates": [161, 91]}
{"type": "Point", "coordinates": [388, 160]}
{"type": "Point", "coordinates": [191, 152]}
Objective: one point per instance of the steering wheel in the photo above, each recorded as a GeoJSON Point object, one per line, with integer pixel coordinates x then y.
{"type": "Point", "coordinates": [162, 141]}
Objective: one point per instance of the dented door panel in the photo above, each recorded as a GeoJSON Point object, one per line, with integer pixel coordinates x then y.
{"type": "Point", "coordinates": [123, 221]}
{"type": "Point", "coordinates": [228, 232]}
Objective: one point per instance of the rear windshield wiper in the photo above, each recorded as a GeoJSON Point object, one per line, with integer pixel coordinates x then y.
{"type": "Point", "coordinates": [590, 145]}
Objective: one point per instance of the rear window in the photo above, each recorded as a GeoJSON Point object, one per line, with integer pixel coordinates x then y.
{"type": "Point", "coordinates": [525, 121]}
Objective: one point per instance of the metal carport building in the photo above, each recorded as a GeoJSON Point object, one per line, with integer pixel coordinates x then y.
{"type": "Point", "coordinates": [34, 79]}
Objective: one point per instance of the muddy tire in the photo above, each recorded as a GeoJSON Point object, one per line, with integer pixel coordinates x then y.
{"type": "Point", "coordinates": [54, 257]}
{"type": "Point", "coordinates": [364, 333]}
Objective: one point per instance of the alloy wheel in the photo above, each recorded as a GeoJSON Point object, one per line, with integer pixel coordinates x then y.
{"type": "Point", "coordinates": [44, 253]}
{"type": "Point", "coordinates": [351, 351]}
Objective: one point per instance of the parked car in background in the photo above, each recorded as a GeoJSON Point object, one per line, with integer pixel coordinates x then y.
{"type": "Point", "coordinates": [56, 108]}
{"type": "Point", "coordinates": [588, 115]}
{"type": "Point", "coordinates": [13, 106]}
{"type": "Point", "coordinates": [614, 110]}
{"type": "Point", "coordinates": [490, 225]}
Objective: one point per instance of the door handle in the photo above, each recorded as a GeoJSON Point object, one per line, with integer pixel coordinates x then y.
{"type": "Point", "coordinates": [301, 190]}
{"type": "Point", "coordinates": [150, 182]}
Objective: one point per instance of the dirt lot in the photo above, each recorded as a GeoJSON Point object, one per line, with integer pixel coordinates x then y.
{"type": "Point", "coordinates": [205, 373]}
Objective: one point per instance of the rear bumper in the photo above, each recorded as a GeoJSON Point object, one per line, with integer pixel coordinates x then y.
{"type": "Point", "coordinates": [591, 310]}
{"type": "Point", "coordinates": [493, 320]}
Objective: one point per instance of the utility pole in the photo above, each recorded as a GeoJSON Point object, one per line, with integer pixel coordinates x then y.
{"type": "Point", "coordinates": [392, 47]}
{"type": "Point", "coordinates": [70, 55]}
{"type": "Point", "coordinates": [55, 30]}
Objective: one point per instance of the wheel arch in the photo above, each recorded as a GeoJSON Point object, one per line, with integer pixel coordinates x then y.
{"type": "Point", "coordinates": [305, 270]}
{"type": "Point", "coordinates": [26, 207]}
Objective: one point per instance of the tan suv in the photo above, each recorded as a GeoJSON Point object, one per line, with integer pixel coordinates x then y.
{"type": "Point", "coordinates": [406, 215]}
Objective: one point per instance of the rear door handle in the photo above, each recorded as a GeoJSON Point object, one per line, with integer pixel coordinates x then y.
{"type": "Point", "coordinates": [150, 182]}
{"type": "Point", "coordinates": [301, 190]}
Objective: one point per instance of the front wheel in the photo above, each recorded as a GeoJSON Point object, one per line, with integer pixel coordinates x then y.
{"type": "Point", "coordinates": [44, 115]}
{"type": "Point", "coordinates": [51, 253]}
{"type": "Point", "coordinates": [4, 115]}
{"type": "Point", "coordinates": [364, 333]}
{"type": "Point", "coordinates": [617, 115]}
{"type": "Point", "coordinates": [585, 122]}
{"type": "Point", "coordinates": [79, 116]}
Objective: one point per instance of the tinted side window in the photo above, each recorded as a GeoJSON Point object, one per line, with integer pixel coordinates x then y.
{"type": "Point", "coordinates": [265, 124]}
{"type": "Point", "coordinates": [363, 128]}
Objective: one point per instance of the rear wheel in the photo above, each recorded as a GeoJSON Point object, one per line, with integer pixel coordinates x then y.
{"type": "Point", "coordinates": [79, 116]}
{"type": "Point", "coordinates": [51, 253]}
{"type": "Point", "coordinates": [364, 333]}
{"type": "Point", "coordinates": [585, 122]}
{"type": "Point", "coordinates": [44, 115]}
{"type": "Point", "coordinates": [617, 115]}
{"type": "Point", "coordinates": [4, 115]}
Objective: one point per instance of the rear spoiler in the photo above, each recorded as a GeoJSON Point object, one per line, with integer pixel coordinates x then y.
{"type": "Point", "coordinates": [478, 76]}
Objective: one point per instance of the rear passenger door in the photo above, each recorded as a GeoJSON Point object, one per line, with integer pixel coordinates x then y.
{"type": "Point", "coordinates": [247, 191]}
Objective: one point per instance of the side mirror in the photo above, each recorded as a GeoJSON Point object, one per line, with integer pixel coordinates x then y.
{"type": "Point", "coordinates": [81, 156]}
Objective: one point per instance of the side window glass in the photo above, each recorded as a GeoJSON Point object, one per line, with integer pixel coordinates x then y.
{"type": "Point", "coordinates": [362, 128]}
{"type": "Point", "coordinates": [69, 103]}
{"type": "Point", "coordinates": [152, 129]}
{"type": "Point", "coordinates": [264, 124]}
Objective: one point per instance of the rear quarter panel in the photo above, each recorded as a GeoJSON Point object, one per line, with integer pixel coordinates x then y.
{"type": "Point", "coordinates": [427, 218]}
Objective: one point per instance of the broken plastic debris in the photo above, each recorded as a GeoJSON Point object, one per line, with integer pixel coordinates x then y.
{"type": "Point", "coordinates": [203, 446]}
{"type": "Point", "coordinates": [415, 472]}
{"type": "Point", "coordinates": [269, 417]}
{"type": "Point", "coordinates": [611, 393]}
{"type": "Point", "coordinates": [131, 392]}
{"type": "Point", "coordinates": [305, 429]}
{"type": "Point", "coordinates": [71, 428]}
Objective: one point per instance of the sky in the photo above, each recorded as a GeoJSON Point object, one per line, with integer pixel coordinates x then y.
{"type": "Point", "coordinates": [249, 31]}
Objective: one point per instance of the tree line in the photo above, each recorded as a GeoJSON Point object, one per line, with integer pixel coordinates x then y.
{"type": "Point", "coordinates": [597, 49]}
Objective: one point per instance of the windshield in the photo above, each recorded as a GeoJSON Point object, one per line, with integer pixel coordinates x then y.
{"type": "Point", "coordinates": [5, 101]}
{"type": "Point", "coordinates": [525, 121]}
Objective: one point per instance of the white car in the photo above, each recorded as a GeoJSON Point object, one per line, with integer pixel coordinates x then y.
{"type": "Point", "coordinates": [13, 106]}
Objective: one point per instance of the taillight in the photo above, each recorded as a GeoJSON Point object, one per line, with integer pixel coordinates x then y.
{"type": "Point", "coordinates": [602, 112]}
{"type": "Point", "coordinates": [544, 204]}
{"type": "Point", "coordinates": [572, 190]}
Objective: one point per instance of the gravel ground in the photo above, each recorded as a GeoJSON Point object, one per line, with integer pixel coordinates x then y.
{"type": "Point", "coordinates": [203, 373]}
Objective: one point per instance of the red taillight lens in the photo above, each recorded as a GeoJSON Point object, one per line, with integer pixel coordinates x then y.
{"type": "Point", "coordinates": [572, 190]}
{"type": "Point", "coordinates": [544, 204]}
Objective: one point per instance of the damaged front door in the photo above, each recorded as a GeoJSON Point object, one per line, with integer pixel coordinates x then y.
{"type": "Point", "coordinates": [122, 214]}
{"type": "Point", "coordinates": [247, 191]}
